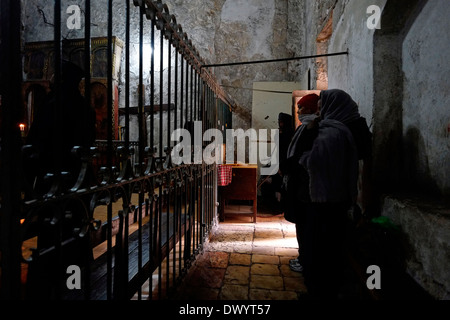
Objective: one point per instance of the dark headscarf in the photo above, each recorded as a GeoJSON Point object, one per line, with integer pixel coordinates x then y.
{"type": "Point", "coordinates": [332, 163]}
{"type": "Point", "coordinates": [338, 105]}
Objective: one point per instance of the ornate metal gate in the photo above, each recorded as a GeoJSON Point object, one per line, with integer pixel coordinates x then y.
{"type": "Point", "coordinates": [122, 221]}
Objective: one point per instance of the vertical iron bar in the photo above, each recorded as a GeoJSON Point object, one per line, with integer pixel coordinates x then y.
{"type": "Point", "coordinates": [57, 140]}
{"type": "Point", "coordinates": [195, 93]}
{"type": "Point", "coordinates": [161, 93]}
{"type": "Point", "coordinates": [87, 56]}
{"type": "Point", "coordinates": [191, 102]}
{"type": "Point", "coordinates": [149, 208]}
{"type": "Point", "coordinates": [152, 85]}
{"type": "Point", "coordinates": [194, 213]}
{"type": "Point", "coordinates": [160, 214]}
{"type": "Point", "coordinates": [110, 147]}
{"type": "Point", "coordinates": [175, 230]}
{"type": "Point", "coordinates": [186, 218]}
{"type": "Point", "coordinates": [176, 89]}
{"type": "Point", "coordinates": [181, 91]}
{"type": "Point", "coordinates": [58, 116]}
{"type": "Point", "coordinates": [127, 77]}
{"type": "Point", "coordinates": [168, 235]}
{"type": "Point", "coordinates": [140, 239]}
{"type": "Point", "coordinates": [187, 91]}
{"type": "Point", "coordinates": [208, 219]}
{"type": "Point", "coordinates": [180, 223]}
{"type": "Point", "coordinates": [200, 97]}
{"type": "Point", "coordinates": [87, 95]}
{"type": "Point", "coordinates": [141, 90]}
{"type": "Point", "coordinates": [10, 84]}
{"type": "Point", "coordinates": [169, 90]}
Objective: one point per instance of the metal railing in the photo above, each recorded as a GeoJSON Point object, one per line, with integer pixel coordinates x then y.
{"type": "Point", "coordinates": [123, 222]}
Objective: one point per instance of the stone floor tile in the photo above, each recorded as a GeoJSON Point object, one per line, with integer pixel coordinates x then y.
{"type": "Point", "coordinates": [206, 277]}
{"type": "Point", "coordinates": [290, 252]}
{"type": "Point", "coordinates": [265, 269]}
{"type": "Point", "coordinates": [259, 294]}
{"type": "Point", "coordinates": [280, 242]}
{"type": "Point", "coordinates": [234, 292]}
{"type": "Point", "coordinates": [221, 246]}
{"type": "Point", "coordinates": [266, 282]}
{"type": "Point", "coordinates": [237, 275]}
{"type": "Point", "coordinates": [261, 258]}
{"type": "Point", "coordinates": [263, 250]}
{"type": "Point", "coordinates": [242, 247]}
{"type": "Point", "coordinates": [240, 259]}
{"type": "Point", "coordinates": [285, 259]}
{"type": "Point", "coordinates": [214, 259]}
{"type": "Point", "coordinates": [268, 233]}
{"type": "Point", "coordinates": [232, 235]}
{"type": "Point", "coordinates": [289, 243]}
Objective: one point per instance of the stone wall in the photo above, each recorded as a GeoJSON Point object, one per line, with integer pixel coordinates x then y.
{"type": "Point", "coordinates": [239, 31]}
{"type": "Point", "coordinates": [221, 30]}
{"type": "Point", "coordinates": [426, 226]}
{"type": "Point", "coordinates": [426, 91]}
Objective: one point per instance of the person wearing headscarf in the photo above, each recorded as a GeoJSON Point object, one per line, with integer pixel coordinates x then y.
{"type": "Point", "coordinates": [295, 177]}
{"type": "Point", "coordinates": [332, 165]}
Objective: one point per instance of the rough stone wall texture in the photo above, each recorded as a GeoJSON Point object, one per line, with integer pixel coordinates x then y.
{"type": "Point", "coordinates": [221, 30]}
{"type": "Point", "coordinates": [427, 98]}
{"type": "Point", "coordinates": [239, 31]}
{"type": "Point", "coordinates": [428, 240]}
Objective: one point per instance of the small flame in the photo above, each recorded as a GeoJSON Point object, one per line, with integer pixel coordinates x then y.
{"type": "Point", "coordinates": [22, 127]}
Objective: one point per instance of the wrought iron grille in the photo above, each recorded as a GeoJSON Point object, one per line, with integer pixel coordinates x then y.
{"type": "Point", "coordinates": [117, 210]}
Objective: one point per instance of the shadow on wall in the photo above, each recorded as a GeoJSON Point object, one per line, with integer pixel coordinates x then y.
{"type": "Point", "coordinates": [416, 170]}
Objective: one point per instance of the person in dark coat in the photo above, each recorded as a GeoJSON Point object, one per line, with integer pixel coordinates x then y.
{"type": "Point", "coordinates": [295, 176]}
{"type": "Point", "coordinates": [332, 163]}
{"type": "Point", "coordinates": [77, 128]}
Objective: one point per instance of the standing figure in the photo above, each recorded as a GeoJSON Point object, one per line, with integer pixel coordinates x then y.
{"type": "Point", "coordinates": [295, 176]}
{"type": "Point", "coordinates": [332, 164]}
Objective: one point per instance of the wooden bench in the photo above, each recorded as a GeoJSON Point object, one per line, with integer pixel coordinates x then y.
{"type": "Point", "coordinates": [129, 264]}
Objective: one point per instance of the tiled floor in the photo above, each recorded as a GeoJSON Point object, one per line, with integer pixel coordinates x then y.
{"type": "Point", "coordinates": [246, 261]}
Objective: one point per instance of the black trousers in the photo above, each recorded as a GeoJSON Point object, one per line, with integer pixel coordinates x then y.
{"type": "Point", "coordinates": [323, 248]}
